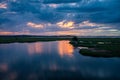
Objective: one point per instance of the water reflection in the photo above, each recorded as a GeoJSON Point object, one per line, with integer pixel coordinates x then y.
{"type": "Point", "coordinates": [41, 47]}
{"type": "Point", "coordinates": [53, 60]}
{"type": "Point", "coordinates": [3, 67]}
{"type": "Point", "coordinates": [34, 48]}
{"type": "Point", "coordinates": [65, 49]}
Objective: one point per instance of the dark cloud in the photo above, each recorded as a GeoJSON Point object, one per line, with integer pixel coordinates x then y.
{"type": "Point", "coordinates": [95, 11]}
{"type": "Point", "coordinates": [52, 17]}
{"type": "Point", "coordinates": [3, 21]}
{"type": "Point", "coordinates": [19, 12]}
{"type": "Point", "coordinates": [42, 12]}
{"type": "Point", "coordinates": [22, 7]}
{"type": "Point", "coordinates": [2, 1]}
{"type": "Point", "coordinates": [105, 17]}
{"type": "Point", "coordinates": [60, 1]}
{"type": "Point", "coordinates": [81, 9]}
{"type": "Point", "coordinates": [2, 11]}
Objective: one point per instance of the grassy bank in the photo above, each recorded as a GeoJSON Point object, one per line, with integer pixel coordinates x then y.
{"type": "Point", "coordinates": [22, 39]}
{"type": "Point", "coordinates": [100, 47]}
{"type": "Point", "coordinates": [106, 47]}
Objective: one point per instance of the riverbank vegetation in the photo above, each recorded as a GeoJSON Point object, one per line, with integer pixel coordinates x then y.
{"type": "Point", "coordinates": [99, 47]}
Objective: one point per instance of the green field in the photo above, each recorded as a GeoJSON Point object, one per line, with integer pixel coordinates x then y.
{"type": "Point", "coordinates": [23, 39]}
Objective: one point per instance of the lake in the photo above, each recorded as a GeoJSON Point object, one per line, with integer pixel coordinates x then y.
{"type": "Point", "coordinates": [54, 60]}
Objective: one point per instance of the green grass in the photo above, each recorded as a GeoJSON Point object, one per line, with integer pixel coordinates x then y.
{"type": "Point", "coordinates": [111, 45]}
{"type": "Point", "coordinates": [88, 52]}
{"type": "Point", "coordinates": [18, 39]}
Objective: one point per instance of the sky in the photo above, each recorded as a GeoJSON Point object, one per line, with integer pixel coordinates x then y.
{"type": "Point", "coordinates": [60, 17]}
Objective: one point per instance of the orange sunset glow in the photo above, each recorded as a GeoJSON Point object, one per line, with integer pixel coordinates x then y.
{"type": "Point", "coordinates": [65, 49]}
{"type": "Point", "coordinates": [7, 33]}
{"type": "Point", "coordinates": [13, 33]}
{"type": "Point", "coordinates": [35, 25]}
{"type": "Point", "coordinates": [64, 24]}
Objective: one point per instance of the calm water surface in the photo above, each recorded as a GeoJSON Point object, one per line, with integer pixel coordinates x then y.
{"type": "Point", "coordinates": [56, 60]}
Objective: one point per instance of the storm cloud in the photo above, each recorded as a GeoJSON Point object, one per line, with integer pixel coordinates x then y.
{"type": "Point", "coordinates": [71, 14]}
